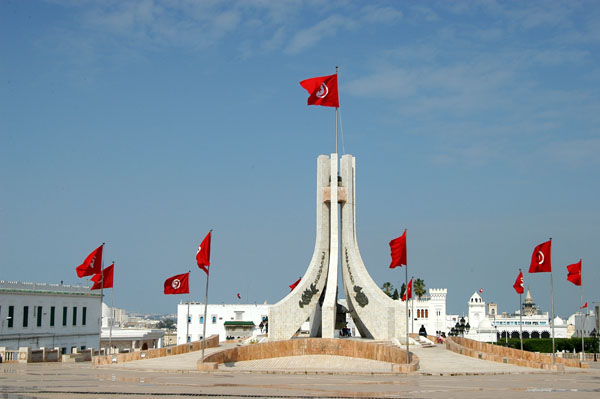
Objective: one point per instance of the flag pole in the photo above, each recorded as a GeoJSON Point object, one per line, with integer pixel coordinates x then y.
{"type": "Point", "coordinates": [582, 316]}
{"type": "Point", "coordinates": [552, 294]}
{"type": "Point", "coordinates": [205, 311]}
{"type": "Point", "coordinates": [406, 294]}
{"type": "Point", "coordinates": [336, 120]}
{"type": "Point", "coordinates": [112, 313]}
{"type": "Point", "coordinates": [520, 317]}
{"type": "Point", "coordinates": [187, 321]}
{"type": "Point", "coordinates": [412, 301]}
{"type": "Point", "coordinates": [101, 300]}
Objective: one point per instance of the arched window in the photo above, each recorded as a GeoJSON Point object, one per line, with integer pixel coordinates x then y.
{"type": "Point", "coordinates": [426, 313]}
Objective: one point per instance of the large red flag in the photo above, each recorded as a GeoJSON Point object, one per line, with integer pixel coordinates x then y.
{"type": "Point", "coordinates": [106, 275]}
{"type": "Point", "coordinates": [323, 91]}
{"type": "Point", "coordinates": [92, 264]}
{"type": "Point", "coordinates": [178, 284]}
{"type": "Point", "coordinates": [574, 275]}
{"type": "Point", "coordinates": [398, 247]}
{"type": "Point", "coordinates": [584, 306]}
{"type": "Point", "coordinates": [518, 285]}
{"type": "Point", "coordinates": [295, 284]}
{"type": "Point", "coordinates": [540, 259]}
{"type": "Point", "coordinates": [408, 291]}
{"type": "Point", "coordinates": [203, 254]}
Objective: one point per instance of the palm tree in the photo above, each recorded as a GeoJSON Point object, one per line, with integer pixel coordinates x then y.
{"type": "Point", "coordinates": [387, 288]}
{"type": "Point", "coordinates": [419, 288]}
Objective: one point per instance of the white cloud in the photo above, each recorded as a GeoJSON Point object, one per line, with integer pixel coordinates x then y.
{"type": "Point", "coordinates": [308, 37]}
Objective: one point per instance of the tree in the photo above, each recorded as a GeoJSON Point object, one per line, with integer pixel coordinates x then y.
{"type": "Point", "coordinates": [402, 290]}
{"type": "Point", "coordinates": [395, 295]}
{"type": "Point", "coordinates": [169, 324]}
{"type": "Point", "coordinates": [387, 288]}
{"type": "Point", "coordinates": [419, 288]}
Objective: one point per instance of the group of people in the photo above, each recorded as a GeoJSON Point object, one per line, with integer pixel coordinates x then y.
{"type": "Point", "coordinates": [345, 332]}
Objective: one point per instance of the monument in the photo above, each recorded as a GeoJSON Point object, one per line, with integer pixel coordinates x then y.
{"type": "Point", "coordinates": [375, 314]}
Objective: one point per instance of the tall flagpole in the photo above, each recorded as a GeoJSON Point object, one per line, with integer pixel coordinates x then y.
{"type": "Point", "coordinates": [205, 321]}
{"type": "Point", "coordinates": [552, 293]}
{"type": "Point", "coordinates": [336, 120]}
{"type": "Point", "coordinates": [582, 318]}
{"type": "Point", "coordinates": [112, 313]}
{"type": "Point", "coordinates": [520, 317]}
{"type": "Point", "coordinates": [101, 300]}
{"type": "Point", "coordinates": [412, 313]}
{"type": "Point", "coordinates": [187, 321]}
{"type": "Point", "coordinates": [406, 296]}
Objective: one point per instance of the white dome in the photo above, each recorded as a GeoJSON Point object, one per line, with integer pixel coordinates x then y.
{"type": "Point", "coordinates": [558, 321]}
{"type": "Point", "coordinates": [485, 324]}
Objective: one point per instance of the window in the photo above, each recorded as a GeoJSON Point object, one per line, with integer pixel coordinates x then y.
{"type": "Point", "coordinates": [426, 313]}
{"type": "Point", "coordinates": [25, 316]}
{"type": "Point", "coordinates": [74, 315]}
{"type": "Point", "coordinates": [64, 316]}
{"type": "Point", "coordinates": [214, 319]}
{"type": "Point", "coordinates": [11, 316]}
{"type": "Point", "coordinates": [39, 316]}
{"type": "Point", "coordinates": [52, 313]}
{"type": "Point", "coordinates": [83, 316]}
{"type": "Point", "coordinates": [201, 319]}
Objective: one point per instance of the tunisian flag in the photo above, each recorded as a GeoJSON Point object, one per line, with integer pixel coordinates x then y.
{"type": "Point", "coordinates": [179, 284]}
{"type": "Point", "coordinates": [295, 284]}
{"type": "Point", "coordinates": [584, 306]}
{"type": "Point", "coordinates": [540, 259]}
{"type": "Point", "coordinates": [106, 275]}
{"type": "Point", "coordinates": [203, 254]}
{"type": "Point", "coordinates": [92, 264]}
{"type": "Point", "coordinates": [398, 247]}
{"type": "Point", "coordinates": [323, 91]}
{"type": "Point", "coordinates": [518, 285]}
{"type": "Point", "coordinates": [408, 292]}
{"type": "Point", "coordinates": [574, 275]}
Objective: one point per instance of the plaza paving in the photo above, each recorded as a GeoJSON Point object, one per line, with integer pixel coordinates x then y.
{"type": "Point", "coordinates": [443, 374]}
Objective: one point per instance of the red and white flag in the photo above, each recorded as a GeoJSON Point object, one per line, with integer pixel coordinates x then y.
{"type": "Point", "coordinates": [104, 279]}
{"type": "Point", "coordinates": [179, 284]}
{"type": "Point", "coordinates": [92, 264]}
{"type": "Point", "coordinates": [322, 90]}
{"type": "Point", "coordinates": [239, 296]}
{"type": "Point", "coordinates": [295, 284]}
{"type": "Point", "coordinates": [398, 248]}
{"type": "Point", "coordinates": [584, 306]}
{"type": "Point", "coordinates": [203, 254]}
{"type": "Point", "coordinates": [540, 259]}
{"type": "Point", "coordinates": [574, 275]}
{"type": "Point", "coordinates": [518, 285]}
{"type": "Point", "coordinates": [408, 291]}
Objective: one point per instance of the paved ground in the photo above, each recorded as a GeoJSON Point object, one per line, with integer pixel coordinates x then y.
{"type": "Point", "coordinates": [443, 375]}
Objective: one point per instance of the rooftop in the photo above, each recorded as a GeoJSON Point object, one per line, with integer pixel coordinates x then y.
{"type": "Point", "coordinates": [45, 288]}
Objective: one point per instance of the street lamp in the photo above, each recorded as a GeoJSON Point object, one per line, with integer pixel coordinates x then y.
{"type": "Point", "coordinates": [594, 335]}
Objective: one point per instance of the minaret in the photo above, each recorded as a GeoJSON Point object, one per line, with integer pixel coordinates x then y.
{"type": "Point", "coordinates": [529, 308]}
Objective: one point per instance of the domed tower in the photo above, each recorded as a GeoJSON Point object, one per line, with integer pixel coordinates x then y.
{"type": "Point", "coordinates": [476, 310]}
{"type": "Point", "coordinates": [529, 308]}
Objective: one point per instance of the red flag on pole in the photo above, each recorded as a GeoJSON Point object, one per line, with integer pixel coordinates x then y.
{"type": "Point", "coordinates": [295, 284]}
{"type": "Point", "coordinates": [518, 285]}
{"type": "Point", "coordinates": [323, 91]}
{"type": "Point", "coordinates": [574, 275]}
{"type": "Point", "coordinates": [540, 259]}
{"type": "Point", "coordinates": [398, 248]}
{"type": "Point", "coordinates": [203, 254]}
{"type": "Point", "coordinates": [584, 306]}
{"type": "Point", "coordinates": [92, 264]}
{"type": "Point", "coordinates": [408, 291]}
{"type": "Point", "coordinates": [179, 284]}
{"type": "Point", "coordinates": [239, 296]}
{"type": "Point", "coordinates": [106, 275]}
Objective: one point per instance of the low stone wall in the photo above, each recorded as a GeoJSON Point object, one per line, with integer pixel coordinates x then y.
{"type": "Point", "coordinates": [211, 342]}
{"type": "Point", "coordinates": [501, 354]}
{"type": "Point", "coordinates": [316, 346]}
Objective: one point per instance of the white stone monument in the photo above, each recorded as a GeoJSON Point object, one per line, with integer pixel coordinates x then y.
{"type": "Point", "coordinates": [375, 314]}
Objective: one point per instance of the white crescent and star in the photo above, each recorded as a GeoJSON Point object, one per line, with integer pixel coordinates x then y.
{"type": "Point", "coordinates": [323, 91]}
{"type": "Point", "coordinates": [176, 283]}
{"type": "Point", "coordinates": [540, 257]}
{"type": "Point", "coordinates": [199, 248]}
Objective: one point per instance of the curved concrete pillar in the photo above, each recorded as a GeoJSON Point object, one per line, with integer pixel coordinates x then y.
{"type": "Point", "coordinates": [375, 314]}
{"type": "Point", "coordinates": [287, 315]}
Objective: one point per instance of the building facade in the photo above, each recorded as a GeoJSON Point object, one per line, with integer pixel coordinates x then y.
{"type": "Point", "coordinates": [40, 315]}
{"type": "Point", "coordinates": [217, 316]}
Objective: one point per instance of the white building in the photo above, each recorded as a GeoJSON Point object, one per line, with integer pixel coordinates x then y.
{"type": "Point", "coordinates": [587, 319]}
{"type": "Point", "coordinates": [48, 315]}
{"type": "Point", "coordinates": [226, 320]}
{"type": "Point", "coordinates": [534, 323]}
{"type": "Point", "coordinates": [122, 339]}
{"type": "Point", "coordinates": [429, 311]}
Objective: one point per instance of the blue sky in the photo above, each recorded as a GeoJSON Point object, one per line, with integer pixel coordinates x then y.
{"type": "Point", "coordinates": [145, 124]}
